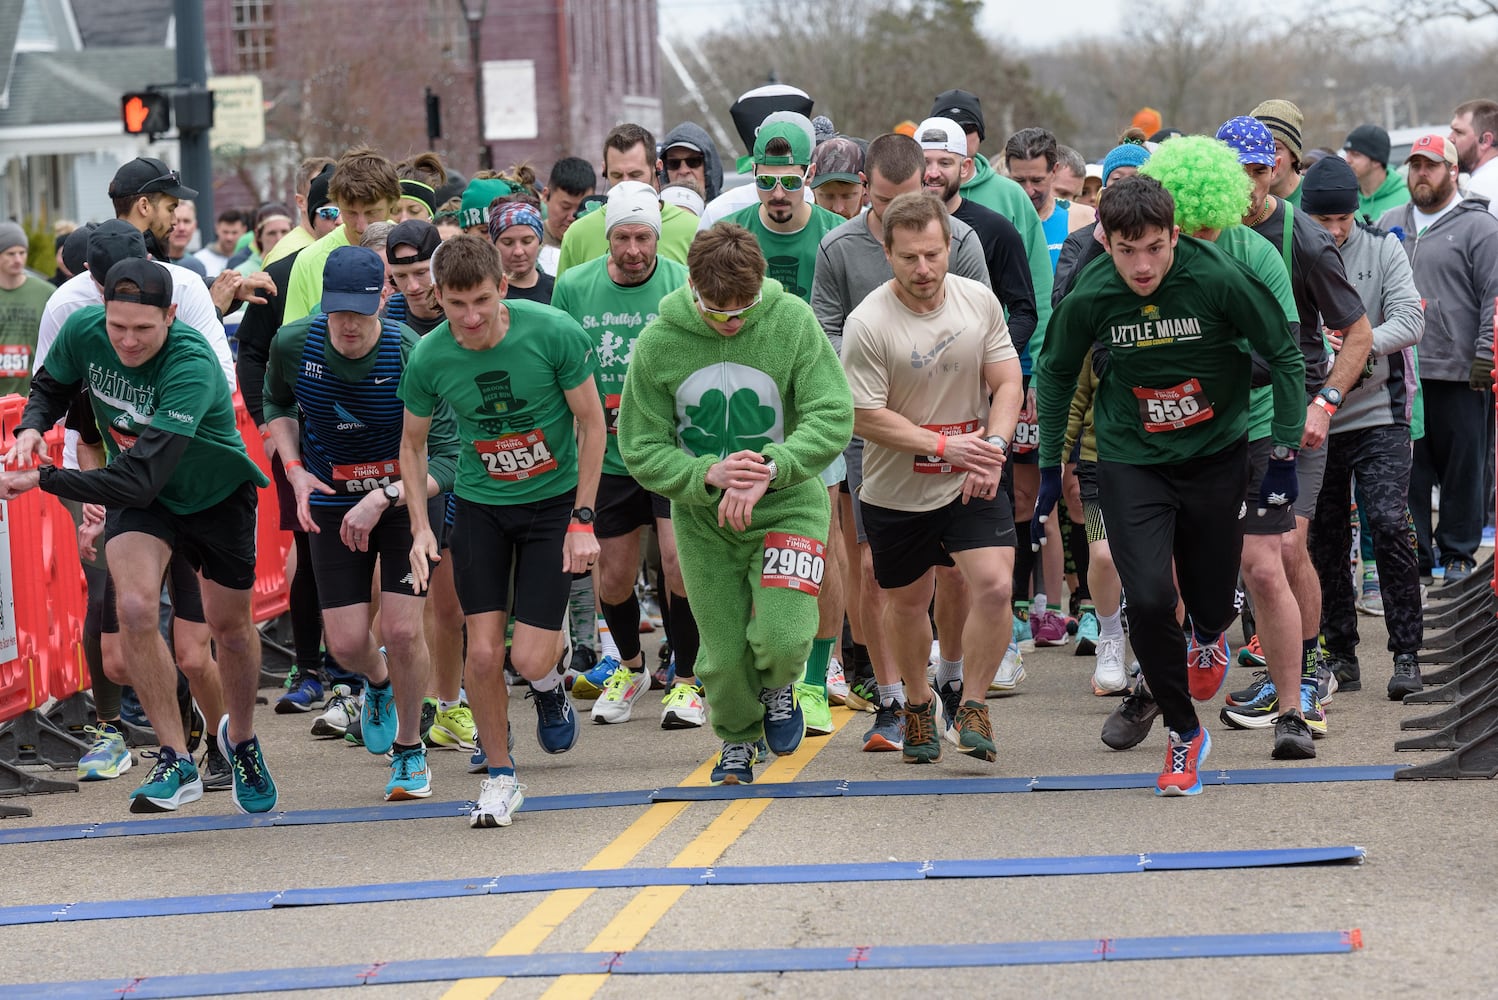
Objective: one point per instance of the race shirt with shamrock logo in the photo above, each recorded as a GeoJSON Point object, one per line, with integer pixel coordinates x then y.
{"type": "Point", "coordinates": [612, 315]}
{"type": "Point", "coordinates": [517, 442]}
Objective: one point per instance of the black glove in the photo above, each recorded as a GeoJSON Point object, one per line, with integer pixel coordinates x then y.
{"type": "Point", "coordinates": [1482, 373]}
{"type": "Point", "coordinates": [1280, 486]}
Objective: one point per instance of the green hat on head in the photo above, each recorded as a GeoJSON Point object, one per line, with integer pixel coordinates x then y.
{"type": "Point", "coordinates": [800, 140]}
{"type": "Point", "coordinates": [476, 198]}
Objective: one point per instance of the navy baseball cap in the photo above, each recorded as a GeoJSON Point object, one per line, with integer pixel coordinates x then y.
{"type": "Point", "coordinates": [352, 280]}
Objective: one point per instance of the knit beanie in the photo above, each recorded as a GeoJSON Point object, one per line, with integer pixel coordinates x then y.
{"type": "Point", "coordinates": [1128, 154]}
{"type": "Point", "coordinates": [1284, 122]}
{"type": "Point", "coordinates": [1329, 188]}
{"type": "Point", "coordinates": [12, 235]}
{"type": "Point", "coordinates": [631, 202]}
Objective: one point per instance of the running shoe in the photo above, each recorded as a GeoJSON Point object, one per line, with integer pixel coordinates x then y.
{"type": "Point", "coordinates": [410, 778]}
{"type": "Point", "coordinates": [683, 708]}
{"type": "Point", "coordinates": [1089, 630]}
{"type": "Point", "coordinates": [1258, 712]}
{"type": "Point", "coordinates": [1371, 600]}
{"type": "Point", "coordinates": [623, 688]}
{"type": "Point", "coordinates": [173, 782]}
{"type": "Point", "coordinates": [1048, 628]}
{"type": "Point", "coordinates": [304, 694]}
{"type": "Point", "coordinates": [428, 716]}
{"type": "Point", "coordinates": [556, 719]}
{"type": "Point", "coordinates": [1312, 711]}
{"type": "Point", "coordinates": [1011, 672]}
{"type": "Point", "coordinates": [863, 693]}
{"type": "Point", "coordinates": [1110, 676]}
{"type": "Point", "coordinates": [377, 722]}
{"type": "Point", "coordinates": [975, 731]}
{"type": "Point", "coordinates": [354, 735]}
{"type": "Point", "coordinates": [254, 791]}
{"type": "Point", "coordinates": [814, 708]}
{"type": "Point", "coordinates": [131, 710]}
{"type": "Point", "coordinates": [837, 683]}
{"type": "Point", "coordinates": [1132, 720]}
{"type": "Point", "coordinates": [590, 684]}
{"type": "Point", "coordinates": [193, 723]}
{"type": "Point", "coordinates": [888, 731]}
{"type": "Point", "coordinates": [922, 732]}
{"type": "Point", "coordinates": [107, 756]}
{"type": "Point", "coordinates": [1022, 635]}
{"type": "Point", "coordinates": [1248, 694]}
{"type": "Point", "coordinates": [950, 694]}
{"type": "Point", "coordinates": [478, 761]}
{"type": "Point", "coordinates": [735, 764]}
{"type": "Point", "coordinates": [1346, 671]}
{"type": "Point", "coordinates": [1406, 679]}
{"type": "Point", "coordinates": [1326, 683]}
{"type": "Point", "coordinates": [663, 676]}
{"type": "Point", "coordinates": [218, 776]}
{"type": "Point", "coordinates": [1457, 570]}
{"type": "Point", "coordinates": [341, 709]}
{"type": "Point", "coordinates": [1293, 739]}
{"type": "Point", "coordinates": [1182, 760]}
{"type": "Point", "coordinates": [452, 728]}
{"type": "Point", "coordinates": [1252, 655]}
{"type": "Point", "coordinates": [500, 797]}
{"type": "Point", "coordinates": [785, 724]}
{"type": "Point", "coordinates": [1206, 667]}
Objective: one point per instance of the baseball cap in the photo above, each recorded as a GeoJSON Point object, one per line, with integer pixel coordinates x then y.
{"type": "Point", "coordinates": [352, 280]}
{"type": "Point", "coordinates": [1433, 147]}
{"type": "Point", "coordinates": [632, 202]}
{"type": "Point", "coordinates": [943, 134]}
{"type": "Point", "coordinates": [683, 196]}
{"type": "Point", "coordinates": [1095, 170]}
{"type": "Point", "coordinates": [683, 144]}
{"type": "Point", "coordinates": [801, 138]}
{"type": "Point", "coordinates": [112, 242]}
{"type": "Point", "coordinates": [962, 107]}
{"type": "Point", "coordinates": [148, 175]}
{"type": "Point", "coordinates": [838, 159]}
{"type": "Point", "coordinates": [317, 191]}
{"type": "Point", "coordinates": [1371, 141]}
{"type": "Point", "coordinates": [417, 233]}
{"type": "Point", "coordinates": [1250, 139]}
{"type": "Point", "coordinates": [1284, 121]}
{"type": "Point", "coordinates": [75, 248]}
{"type": "Point", "coordinates": [153, 281]}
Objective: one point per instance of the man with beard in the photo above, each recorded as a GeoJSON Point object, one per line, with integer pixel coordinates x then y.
{"type": "Point", "coordinates": [1452, 243]}
{"type": "Point", "coordinates": [1474, 133]}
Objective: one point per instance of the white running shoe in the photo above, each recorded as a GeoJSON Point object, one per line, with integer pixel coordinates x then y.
{"type": "Point", "coordinates": [499, 799]}
{"type": "Point", "coordinates": [837, 683]}
{"type": "Point", "coordinates": [623, 689]}
{"type": "Point", "coordinates": [1011, 672]}
{"type": "Point", "coordinates": [682, 708]}
{"type": "Point", "coordinates": [1110, 676]}
{"type": "Point", "coordinates": [340, 711]}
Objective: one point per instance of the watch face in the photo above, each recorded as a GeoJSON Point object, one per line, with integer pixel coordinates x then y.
{"type": "Point", "coordinates": [1332, 396]}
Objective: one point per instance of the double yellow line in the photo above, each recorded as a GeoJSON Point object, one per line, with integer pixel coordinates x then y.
{"type": "Point", "coordinates": [649, 905]}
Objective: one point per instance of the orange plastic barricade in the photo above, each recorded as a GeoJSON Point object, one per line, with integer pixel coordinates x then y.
{"type": "Point", "coordinates": [272, 590]}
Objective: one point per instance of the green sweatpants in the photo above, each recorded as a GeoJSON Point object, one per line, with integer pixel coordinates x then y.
{"type": "Point", "coordinates": [753, 637]}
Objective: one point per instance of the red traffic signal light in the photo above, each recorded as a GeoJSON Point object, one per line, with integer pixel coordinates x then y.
{"type": "Point", "coordinates": [146, 113]}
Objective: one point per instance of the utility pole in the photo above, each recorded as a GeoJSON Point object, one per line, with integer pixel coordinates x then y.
{"type": "Point", "coordinates": [194, 105]}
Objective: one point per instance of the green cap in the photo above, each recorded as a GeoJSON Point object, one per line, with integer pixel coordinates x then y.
{"type": "Point", "coordinates": [476, 198]}
{"type": "Point", "coordinates": [801, 143]}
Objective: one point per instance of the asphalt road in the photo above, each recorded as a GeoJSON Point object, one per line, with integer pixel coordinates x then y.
{"type": "Point", "coordinates": [1424, 900]}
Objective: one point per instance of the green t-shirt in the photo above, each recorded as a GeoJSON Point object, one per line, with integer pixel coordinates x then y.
{"type": "Point", "coordinates": [1268, 265]}
{"type": "Point", "coordinates": [304, 291]}
{"type": "Point", "coordinates": [612, 316]}
{"type": "Point", "coordinates": [20, 317]}
{"type": "Point", "coordinates": [516, 438]}
{"type": "Point", "coordinates": [586, 239]}
{"type": "Point", "coordinates": [790, 258]}
{"type": "Point", "coordinates": [181, 390]}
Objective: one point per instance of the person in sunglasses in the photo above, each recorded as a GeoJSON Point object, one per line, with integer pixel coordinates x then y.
{"type": "Point", "coordinates": [313, 222]}
{"type": "Point", "coordinates": [689, 154]}
{"type": "Point", "coordinates": [733, 403]}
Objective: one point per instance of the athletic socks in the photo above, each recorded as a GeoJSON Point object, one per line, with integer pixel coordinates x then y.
{"type": "Point", "coordinates": [547, 681]}
{"type": "Point", "coordinates": [948, 671]}
{"type": "Point", "coordinates": [501, 772]}
{"type": "Point", "coordinates": [816, 664]}
{"type": "Point", "coordinates": [891, 693]}
{"type": "Point", "coordinates": [624, 625]}
{"type": "Point", "coordinates": [1110, 626]}
{"type": "Point", "coordinates": [685, 639]}
{"type": "Point", "coordinates": [1309, 650]}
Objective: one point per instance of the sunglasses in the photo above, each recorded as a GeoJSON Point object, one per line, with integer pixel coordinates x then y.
{"type": "Point", "coordinates": [170, 179]}
{"type": "Point", "coordinates": [724, 315]}
{"type": "Point", "coordinates": [787, 182]}
{"type": "Point", "coordinates": [693, 162]}
{"type": "Point", "coordinates": [328, 213]}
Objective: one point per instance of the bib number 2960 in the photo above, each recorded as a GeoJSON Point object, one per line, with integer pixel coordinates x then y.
{"type": "Point", "coordinates": [516, 457]}
{"type": "Point", "coordinates": [794, 562]}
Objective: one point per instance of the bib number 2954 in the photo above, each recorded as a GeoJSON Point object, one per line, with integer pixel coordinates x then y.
{"type": "Point", "coordinates": [794, 562]}
{"type": "Point", "coordinates": [516, 457]}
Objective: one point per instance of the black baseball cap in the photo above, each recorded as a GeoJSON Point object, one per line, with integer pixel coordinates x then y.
{"type": "Point", "coordinates": [148, 175]}
{"type": "Point", "coordinates": [75, 248]}
{"type": "Point", "coordinates": [317, 191]}
{"type": "Point", "coordinates": [154, 283]}
{"type": "Point", "coordinates": [417, 233]}
{"type": "Point", "coordinates": [352, 280]}
{"type": "Point", "coordinates": [962, 107]}
{"type": "Point", "coordinates": [110, 243]}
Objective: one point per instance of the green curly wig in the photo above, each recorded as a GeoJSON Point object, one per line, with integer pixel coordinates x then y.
{"type": "Point", "coordinates": [1203, 175]}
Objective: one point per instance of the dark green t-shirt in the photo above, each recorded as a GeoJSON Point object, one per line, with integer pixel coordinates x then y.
{"type": "Point", "coordinates": [612, 315]}
{"type": "Point", "coordinates": [181, 390]}
{"type": "Point", "coordinates": [790, 258]}
{"type": "Point", "coordinates": [516, 437]}
{"type": "Point", "coordinates": [20, 317]}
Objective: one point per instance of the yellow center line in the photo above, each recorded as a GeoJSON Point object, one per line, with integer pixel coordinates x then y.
{"type": "Point", "coordinates": [533, 929]}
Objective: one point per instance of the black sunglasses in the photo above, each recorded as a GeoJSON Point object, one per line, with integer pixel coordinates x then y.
{"type": "Point", "coordinates": [676, 163]}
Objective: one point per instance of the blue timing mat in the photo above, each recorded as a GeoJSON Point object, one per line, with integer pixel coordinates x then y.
{"type": "Point", "coordinates": [618, 878]}
{"type": "Point", "coordinates": [660, 963]}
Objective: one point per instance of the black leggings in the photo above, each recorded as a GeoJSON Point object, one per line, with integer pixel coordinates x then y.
{"type": "Point", "coordinates": [1192, 513]}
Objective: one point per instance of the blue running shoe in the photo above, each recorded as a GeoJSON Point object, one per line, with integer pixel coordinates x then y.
{"type": "Point", "coordinates": [590, 685]}
{"type": "Point", "coordinates": [107, 755]}
{"type": "Point", "coordinates": [735, 764]}
{"type": "Point", "coordinates": [410, 778]}
{"type": "Point", "coordinates": [254, 791]}
{"type": "Point", "coordinates": [1022, 637]}
{"type": "Point", "coordinates": [1089, 631]}
{"type": "Point", "coordinates": [173, 781]}
{"type": "Point", "coordinates": [131, 710]}
{"type": "Point", "coordinates": [1257, 713]}
{"type": "Point", "coordinates": [785, 724]}
{"type": "Point", "coordinates": [478, 761]}
{"type": "Point", "coordinates": [377, 723]}
{"type": "Point", "coordinates": [304, 695]}
{"type": "Point", "coordinates": [556, 720]}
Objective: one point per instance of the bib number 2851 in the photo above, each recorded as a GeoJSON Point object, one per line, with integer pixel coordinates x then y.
{"type": "Point", "coordinates": [516, 457]}
{"type": "Point", "coordinates": [794, 562]}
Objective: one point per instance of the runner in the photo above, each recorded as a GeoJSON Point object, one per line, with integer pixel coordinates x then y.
{"type": "Point", "coordinates": [732, 406]}
{"type": "Point", "coordinates": [515, 228]}
{"type": "Point", "coordinates": [517, 376]}
{"type": "Point", "coordinates": [571, 180]}
{"type": "Point", "coordinates": [178, 480]}
{"type": "Point", "coordinates": [1176, 319]}
{"type": "Point", "coordinates": [331, 403]}
{"type": "Point", "coordinates": [22, 301]}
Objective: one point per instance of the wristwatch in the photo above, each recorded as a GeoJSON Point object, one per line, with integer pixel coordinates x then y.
{"type": "Point", "coordinates": [582, 515]}
{"type": "Point", "coordinates": [997, 440]}
{"type": "Point", "coordinates": [393, 494]}
{"type": "Point", "coordinates": [1328, 398]}
{"type": "Point", "coordinates": [1279, 453]}
{"type": "Point", "coordinates": [772, 469]}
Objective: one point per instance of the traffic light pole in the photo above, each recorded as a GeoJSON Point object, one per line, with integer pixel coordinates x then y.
{"type": "Point", "coordinates": [192, 72]}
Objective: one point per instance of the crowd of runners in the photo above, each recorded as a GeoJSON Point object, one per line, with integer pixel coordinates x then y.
{"type": "Point", "coordinates": [862, 431]}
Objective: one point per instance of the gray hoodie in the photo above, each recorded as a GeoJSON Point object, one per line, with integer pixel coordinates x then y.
{"type": "Point", "coordinates": [696, 135]}
{"type": "Point", "coordinates": [1379, 269]}
{"type": "Point", "coordinates": [1455, 262]}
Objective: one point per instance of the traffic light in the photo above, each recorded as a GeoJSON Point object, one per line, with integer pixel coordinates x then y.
{"type": "Point", "coordinates": [146, 113]}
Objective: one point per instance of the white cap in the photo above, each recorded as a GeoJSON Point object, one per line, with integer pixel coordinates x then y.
{"type": "Point", "coordinates": [683, 197]}
{"type": "Point", "coordinates": [1095, 170]}
{"type": "Point", "coordinates": [943, 134]}
{"type": "Point", "coordinates": [632, 202]}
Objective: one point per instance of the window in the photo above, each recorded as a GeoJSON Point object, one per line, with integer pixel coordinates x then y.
{"type": "Point", "coordinates": [254, 34]}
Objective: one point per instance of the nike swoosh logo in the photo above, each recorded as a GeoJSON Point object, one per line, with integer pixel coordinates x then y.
{"type": "Point", "coordinates": [382, 381]}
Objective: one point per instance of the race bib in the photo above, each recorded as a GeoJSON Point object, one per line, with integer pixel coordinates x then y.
{"type": "Point", "coordinates": [15, 360]}
{"type": "Point", "coordinates": [516, 457]}
{"type": "Point", "coordinates": [932, 465]}
{"type": "Point", "coordinates": [1173, 408]}
{"type": "Point", "coordinates": [122, 440]}
{"type": "Point", "coordinates": [611, 412]}
{"type": "Point", "coordinates": [793, 562]}
{"type": "Point", "coordinates": [1026, 438]}
{"type": "Point", "coordinates": [365, 477]}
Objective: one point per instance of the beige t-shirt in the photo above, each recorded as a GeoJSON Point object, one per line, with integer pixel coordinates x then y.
{"type": "Point", "coordinates": [928, 367]}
